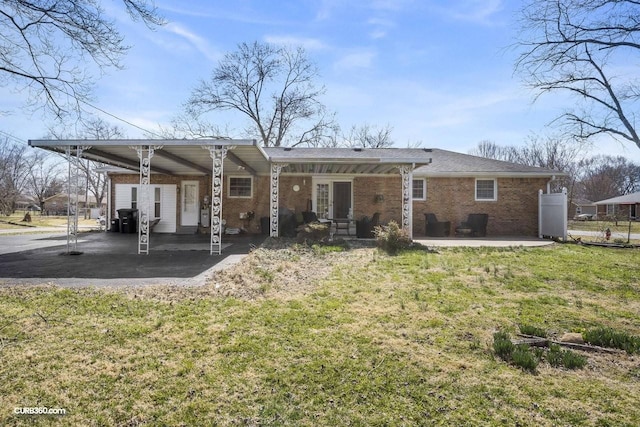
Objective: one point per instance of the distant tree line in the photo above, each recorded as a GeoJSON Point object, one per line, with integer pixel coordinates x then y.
{"type": "Point", "coordinates": [593, 178]}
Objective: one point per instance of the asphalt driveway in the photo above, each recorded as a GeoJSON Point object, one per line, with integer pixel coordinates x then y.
{"type": "Point", "coordinates": [111, 258]}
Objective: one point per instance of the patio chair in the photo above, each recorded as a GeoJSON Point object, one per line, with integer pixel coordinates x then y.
{"type": "Point", "coordinates": [476, 223]}
{"type": "Point", "coordinates": [366, 226]}
{"type": "Point", "coordinates": [435, 228]}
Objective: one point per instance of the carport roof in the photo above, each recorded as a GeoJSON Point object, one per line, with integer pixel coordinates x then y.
{"type": "Point", "coordinates": [176, 157]}
{"type": "Point", "coordinates": [187, 157]}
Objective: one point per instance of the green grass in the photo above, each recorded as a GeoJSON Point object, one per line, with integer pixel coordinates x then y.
{"type": "Point", "coordinates": [378, 340]}
{"type": "Point", "coordinates": [14, 221]}
{"type": "Point", "coordinates": [601, 225]}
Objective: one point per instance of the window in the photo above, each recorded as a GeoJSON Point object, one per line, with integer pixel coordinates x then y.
{"type": "Point", "coordinates": [156, 202]}
{"type": "Point", "coordinates": [240, 187]}
{"type": "Point", "coordinates": [419, 189]}
{"type": "Point", "coordinates": [486, 189]}
{"type": "Point", "coordinates": [134, 197]}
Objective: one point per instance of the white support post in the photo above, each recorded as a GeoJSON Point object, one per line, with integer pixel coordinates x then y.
{"type": "Point", "coordinates": [145, 153]}
{"type": "Point", "coordinates": [406, 173]}
{"type": "Point", "coordinates": [276, 168]}
{"type": "Point", "coordinates": [217, 154]}
{"type": "Point", "coordinates": [73, 183]}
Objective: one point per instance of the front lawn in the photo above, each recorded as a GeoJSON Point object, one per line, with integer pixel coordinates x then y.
{"type": "Point", "coordinates": [325, 336]}
{"type": "Point", "coordinates": [15, 221]}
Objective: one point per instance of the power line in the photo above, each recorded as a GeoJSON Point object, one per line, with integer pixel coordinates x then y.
{"type": "Point", "coordinates": [12, 137]}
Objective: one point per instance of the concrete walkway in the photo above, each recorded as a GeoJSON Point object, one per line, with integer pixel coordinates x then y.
{"type": "Point", "coordinates": [476, 242]}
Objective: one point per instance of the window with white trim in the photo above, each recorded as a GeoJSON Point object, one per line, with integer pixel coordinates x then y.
{"type": "Point", "coordinates": [134, 197]}
{"type": "Point", "coordinates": [240, 187]}
{"type": "Point", "coordinates": [486, 190]}
{"type": "Point", "coordinates": [419, 189]}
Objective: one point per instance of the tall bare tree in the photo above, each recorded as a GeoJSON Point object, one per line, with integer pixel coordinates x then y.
{"type": "Point", "coordinates": [45, 47]}
{"type": "Point", "coordinates": [91, 128]}
{"type": "Point", "coordinates": [607, 176]}
{"type": "Point", "coordinates": [581, 47]}
{"type": "Point", "coordinates": [273, 86]}
{"type": "Point", "coordinates": [550, 152]}
{"type": "Point", "coordinates": [44, 176]}
{"type": "Point", "coordinates": [369, 136]}
{"type": "Point", "coordinates": [13, 174]}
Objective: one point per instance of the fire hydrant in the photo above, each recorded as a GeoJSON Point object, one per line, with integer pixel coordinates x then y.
{"type": "Point", "coordinates": [607, 233]}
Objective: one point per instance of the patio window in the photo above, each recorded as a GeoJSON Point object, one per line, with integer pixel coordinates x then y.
{"type": "Point", "coordinates": [419, 189]}
{"type": "Point", "coordinates": [156, 202]}
{"type": "Point", "coordinates": [134, 197]}
{"type": "Point", "coordinates": [241, 187]}
{"type": "Point", "coordinates": [486, 190]}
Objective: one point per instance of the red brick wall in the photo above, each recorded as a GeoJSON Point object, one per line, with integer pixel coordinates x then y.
{"type": "Point", "coordinates": [451, 199]}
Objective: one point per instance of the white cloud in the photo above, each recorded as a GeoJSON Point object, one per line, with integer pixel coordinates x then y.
{"type": "Point", "coordinates": [201, 44]}
{"type": "Point", "coordinates": [305, 42]}
{"type": "Point", "coordinates": [477, 11]}
{"type": "Point", "coordinates": [355, 60]}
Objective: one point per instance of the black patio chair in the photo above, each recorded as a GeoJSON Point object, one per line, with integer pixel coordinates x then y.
{"type": "Point", "coordinates": [365, 226]}
{"type": "Point", "coordinates": [435, 228]}
{"type": "Point", "coordinates": [477, 223]}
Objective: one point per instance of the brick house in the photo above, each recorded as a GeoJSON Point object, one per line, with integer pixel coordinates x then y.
{"type": "Point", "coordinates": [621, 207]}
{"type": "Point", "coordinates": [243, 184]}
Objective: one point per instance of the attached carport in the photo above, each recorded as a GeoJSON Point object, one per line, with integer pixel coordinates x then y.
{"type": "Point", "coordinates": [167, 157]}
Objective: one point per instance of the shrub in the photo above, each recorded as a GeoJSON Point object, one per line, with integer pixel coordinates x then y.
{"type": "Point", "coordinates": [523, 357]}
{"type": "Point", "coordinates": [532, 330]}
{"type": "Point", "coordinates": [391, 238]}
{"type": "Point", "coordinates": [502, 345]}
{"type": "Point", "coordinates": [566, 358]}
{"type": "Point", "coordinates": [607, 337]}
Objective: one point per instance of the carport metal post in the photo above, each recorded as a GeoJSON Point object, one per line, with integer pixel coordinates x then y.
{"type": "Point", "coordinates": [406, 172]}
{"type": "Point", "coordinates": [72, 194]}
{"type": "Point", "coordinates": [217, 154]}
{"type": "Point", "coordinates": [276, 168]}
{"type": "Point", "coordinates": [145, 153]}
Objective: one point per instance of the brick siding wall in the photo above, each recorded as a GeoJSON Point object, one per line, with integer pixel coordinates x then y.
{"type": "Point", "coordinates": [451, 199]}
{"type": "Point", "coordinates": [515, 212]}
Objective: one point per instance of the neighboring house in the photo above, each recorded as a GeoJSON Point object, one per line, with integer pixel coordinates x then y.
{"type": "Point", "coordinates": [582, 206]}
{"type": "Point", "coordinates": [621, 207]}
{"type": "Point", "coordinates": [257, 185]}
{"type": "Point", "coordinates": [57, 204]}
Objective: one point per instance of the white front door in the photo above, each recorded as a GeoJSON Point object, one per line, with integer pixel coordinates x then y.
{"type": "Point", "coordinates": [189, 203]}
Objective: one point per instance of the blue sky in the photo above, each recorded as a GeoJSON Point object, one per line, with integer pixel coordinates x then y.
{"type": "Point", "coordinates": [439, 72]}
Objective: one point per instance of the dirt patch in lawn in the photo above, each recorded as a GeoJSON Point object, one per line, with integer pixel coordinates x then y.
{"type": "Point", "coordinates": [279, 269]}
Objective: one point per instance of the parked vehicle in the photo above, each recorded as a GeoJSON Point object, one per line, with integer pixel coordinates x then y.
{"type": "Point", "coordinates": [584, 217]}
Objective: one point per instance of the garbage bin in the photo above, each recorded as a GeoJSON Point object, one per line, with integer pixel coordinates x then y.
{"type": "Point", "coordinates": [264, 225]}
{"type": "Point", "coordinates": [115, 225]}
{"type": "Point", "coordinates": [128, 220]}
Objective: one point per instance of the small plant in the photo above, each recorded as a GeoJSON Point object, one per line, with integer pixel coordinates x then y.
{"type": "Point", "coordinates": [558, 357]}
{"type": "Point", "coordinates": [391, 238]}
{"type": "Point", "coordinates": [524, 358]}
{"type": "Point", "coordinates": [607, 337]}
{"type": "Point", "coordinates": [532, 330]}
{"type": "Point", "coordinates": [502, 345]}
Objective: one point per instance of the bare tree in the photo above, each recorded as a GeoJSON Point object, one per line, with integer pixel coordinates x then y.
{"type": "Point", "coordinates": [91, 128]}
{"type": "Point", "coordinates": [579, 47]}
{"type": "Point", "coordinates": [44, 176]}
{"type": "Point", "coordinates": [549, 152]}
{"type": "Point", "coordinates": [369, 136]}
{"type": "Point", "coordinates": [491, 150]}
{"type": "Point", "coordinates": [13, 174]}
{"type": "Point", "coordinates": [606, 176]}
{"type": "Point", "coordinates": [45, 45]}
{"type": "Point", "coordinates": [273, 87]}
